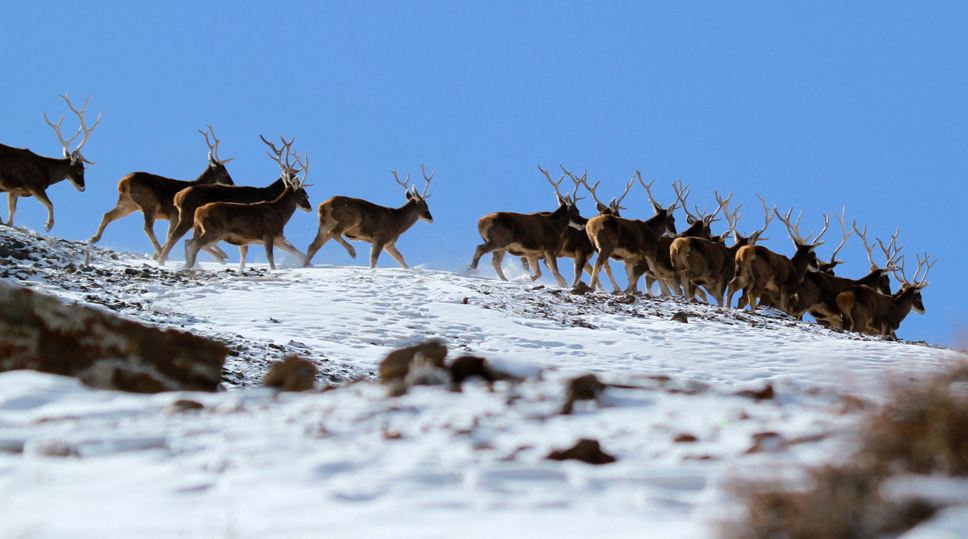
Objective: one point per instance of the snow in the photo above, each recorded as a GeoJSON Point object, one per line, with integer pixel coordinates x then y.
{"type": "Point", "coordinates": [350, 461]}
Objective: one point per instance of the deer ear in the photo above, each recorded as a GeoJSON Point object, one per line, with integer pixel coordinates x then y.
{"type": "Point", "coordinates": [409, 195]}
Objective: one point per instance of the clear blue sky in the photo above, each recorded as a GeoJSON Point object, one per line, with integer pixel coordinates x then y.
{"type": "Point", "coordinates": [813, 105]}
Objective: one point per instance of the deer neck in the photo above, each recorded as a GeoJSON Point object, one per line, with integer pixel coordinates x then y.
{"type": "Point", "coordinates": [208, 176]}
{"type": "Point", "coordinates": [657, 224]}
{"type": "Point", "coordinates": [904, 301]}
{"type": "Point", "coordinates": [560, 218]}
{"type": "Point", "coordinates": [57, 168]}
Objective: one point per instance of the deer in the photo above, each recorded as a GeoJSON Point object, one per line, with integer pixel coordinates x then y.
{"type": "Point", "coordinates": [664, 273]}
{"type": "Point", "coordinates": [188, 200]}
{"type": "Point", "coordinates": [819, 289]}
{"type": "Point", "coordinates": [381, 226]}
{"type": "Point", "coordinates": [154, 196]}
{"type": "Point", "coordinates": [711, 264]}
{"type": "Point", "coordinates": [257, 223]}
{"type": "Point", "coordinates": [632, 241]}
{"type": "Point", "coordinates": [532, 235]}
{"type": "Point", "coordinates": [868, 311]}
{"type": "Point", "coordinates": [758, 269]}
{"type": "Point", "coordinates": [26, 174]}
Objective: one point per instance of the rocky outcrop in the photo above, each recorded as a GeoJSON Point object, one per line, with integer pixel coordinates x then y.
{"type": "Point", "coordinates": [42, 333]}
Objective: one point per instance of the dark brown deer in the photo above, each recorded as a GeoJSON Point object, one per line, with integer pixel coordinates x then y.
{"type": "Point", "coordinates": [191, 198]}
{"type": "Point", "coordinates": [26, 174]}
{"type": "Point", "coordinates": [819, 290]}
{"type": "Point", "coordinates": [258, 223]}
{"type": "Point", "coordinates": [380, 226]}
{"type": "Point", "coordinates": [532, 235]}
{"type": "Point", "coordinates": [154, 196]}
{"type": "Point", "coordinates": [664, 273]}
{"type": "Point", "coordinates": [868, 311]}
{"type": "Point", "coordinates": [711, 264]}
{"type": "Point", "coordinates": [760, 270]}
{"type": "Point", "coordinates": [632, 241]}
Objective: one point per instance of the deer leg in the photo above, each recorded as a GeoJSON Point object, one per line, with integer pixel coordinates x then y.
{"type": "Point", "coordinates": [284, 244]}
{"type": "Point", "coordinates": [551, 260]}
{"type": "Point", "coordinates": [150, 229]}
{"type": "Point", "coordinates": [124, 208]}
{"type": "Point", "coordinates": [633, 279]}
{"type": "Point", "coordinates": [375, 251]}
{"type": "Point", "coordinates": [41, 196]}
{"type": "Point", "coordinates": [195, 244]}
{"type": "Point", "coordinates": [11, 206]}
{"type": "Point", "coordinates": [534, 267]}
{"type": "Point", "coordinates": [526, 264]}
{"type": "Point", "coordinates": [267, 241]}
{"type": "Point", "coordinates": [581, 260]}
{"type": "Point", "coordinates": [336, 234]}
{"type": "Point", "coordinates": [243, 252]}
{"type": "Point", "coordinates": [392, 250]}
{"type": "Point", "coordinates": [321, 238]}
{"type": "Point", "coordinates": [496, 258]}
{"type": "Point", "coordinates": [600, 262]}
{"type": "Point", "coordinates": [483, 249]}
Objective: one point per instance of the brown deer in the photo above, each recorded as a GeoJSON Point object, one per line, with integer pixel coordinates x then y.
{"type": "Point", "coordinates": [154, 196]}
{"type": "Point", "coordinates": [632, 241]}
{"type": "Point", "coordinates": [711, 264]}
{"type": "Point", "coordinates": [380, 226]}
{"type": "Point", "coordinates": [819, 289]}
{"type": "Point", "coordinates": [664, 273]}
{"type": "Point", "coordinates": [532, 235]}
{"type": "Point", "coordinates": [868, 311]}
{"type": "Point", "coordinates": [258, 223]}
{"type": "Point", "coordinates": [26, 174]}
{"type": "Point", "coordinates": [759, 270]}
{"type": "Point", "coordinates": [191, 198]}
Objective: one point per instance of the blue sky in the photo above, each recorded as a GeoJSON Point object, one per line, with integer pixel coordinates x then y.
{"type": "Point", "coordinates": [812, 105]}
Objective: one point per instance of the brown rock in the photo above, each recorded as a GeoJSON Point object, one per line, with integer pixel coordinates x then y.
{"type": "Point", "coordinates": [766, 393]}
{"type": "Point", "coordinates": [582, 388]}
{"type": "Point", "coordinates": [43, 333]}
{"type": "Point", "coordinates": [291, 374]}
{"type": "Point", "coordinates": [586, 450]}
{"type": "Point", "coordinates": [397, 362]}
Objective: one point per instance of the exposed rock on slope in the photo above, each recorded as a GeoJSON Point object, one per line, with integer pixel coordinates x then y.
{"type": "Point", "coordinates": [42, 333]}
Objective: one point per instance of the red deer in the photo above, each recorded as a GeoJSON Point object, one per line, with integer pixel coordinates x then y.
{"type": "Point", "coordinates": [154, 196]}
{"type": "Point", "coordinates": [664, 273]}
{"type": "Point", "coordinates": [191, 198]}
{"type": "Point", "coordinates": [703, 262]}
{"type": "Point", "coordinates": [258, 223]}
{"type": "Point", "coordinates": [760, 270]}
{"type": "Point", "coordinates": [868, 311]}
{"type": "Point", "coordinates": [26, 174]}
{"type": "Point", "coordinates": [532, 235]}
{"type": "Point", "coordinates": [819, 290]}
{"type": "Point", "coordinates": [380, 226]}
{"type": "Point", "coordinates": [632, 241]}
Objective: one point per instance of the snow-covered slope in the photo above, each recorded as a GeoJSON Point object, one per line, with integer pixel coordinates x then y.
{"type": "Point", "coordinates": [433, 463]}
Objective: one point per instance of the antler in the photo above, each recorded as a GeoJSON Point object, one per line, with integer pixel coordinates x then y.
{"type": "Point", "coordinates": [287, 170]}
{"type": "Point", "coordinates": [304, 167]}
{"type": "Point", "coordinates": [555, 185]}
{"type": "Point", "coordinates": [591, 189]}
{"type": "Point", "coordinates": [682, 192]}
{"type": "Point", "coordinates": [731, 219]}
{"type": "Point", "coordinates": [578, 182]}
{"type": "Point", "coordinates": [892, 249]}
{"type": "Point", "coordinates": [922, 264]}
{"type": "Point", "coordinates": [794, 230]}
{"type": "Point", "coordinates": [754, 237]}
{"type": "Point", "coordinates": [833, 257]}
{"type": "Point", "coordinates": [424, 172]}
{"type": "Point", "coordinates": [405, 183]}
{"type": "Point", "coordinates": [76, 154]}
{"type": "Point", "coordinates": [213, 149]}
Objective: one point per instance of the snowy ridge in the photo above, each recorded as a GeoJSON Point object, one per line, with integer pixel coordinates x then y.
{"type": "Point", "coordinates": [79, 463]}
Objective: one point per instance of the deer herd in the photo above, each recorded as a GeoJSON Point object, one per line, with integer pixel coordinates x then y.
{"type": "Point", "coordinates": [690, 263]}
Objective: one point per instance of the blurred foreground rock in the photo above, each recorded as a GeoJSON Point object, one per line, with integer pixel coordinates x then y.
{"type": "Point", "coordinates": [42, 333]}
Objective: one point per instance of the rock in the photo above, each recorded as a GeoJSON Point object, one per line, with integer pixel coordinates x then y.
{"type": "Point", "coordinates": [582, 388]}
{"type": "Point", "coordinates": [104, 351]}
{"type": "Point", "coordinates": [586, 450]}
{"type": "Point", "coordinates": [680, 317]}
{"type": "Point", "coordinates": [766, 393]}
{"type": "Point", "coordinates": [466, 367]}
{"type": "Point", "coordinates": [581, 289]}
{"type": "Point", "coordinates": [397, 362]}
{"type": "Point", "coordinates": [291, 374]}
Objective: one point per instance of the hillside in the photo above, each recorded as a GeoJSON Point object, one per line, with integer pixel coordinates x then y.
{"type": "Point", "coordinates": [352, 462]}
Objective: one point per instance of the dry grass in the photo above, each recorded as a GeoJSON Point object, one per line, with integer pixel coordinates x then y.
{"type": "Point", "coordinates": [923, 430]}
